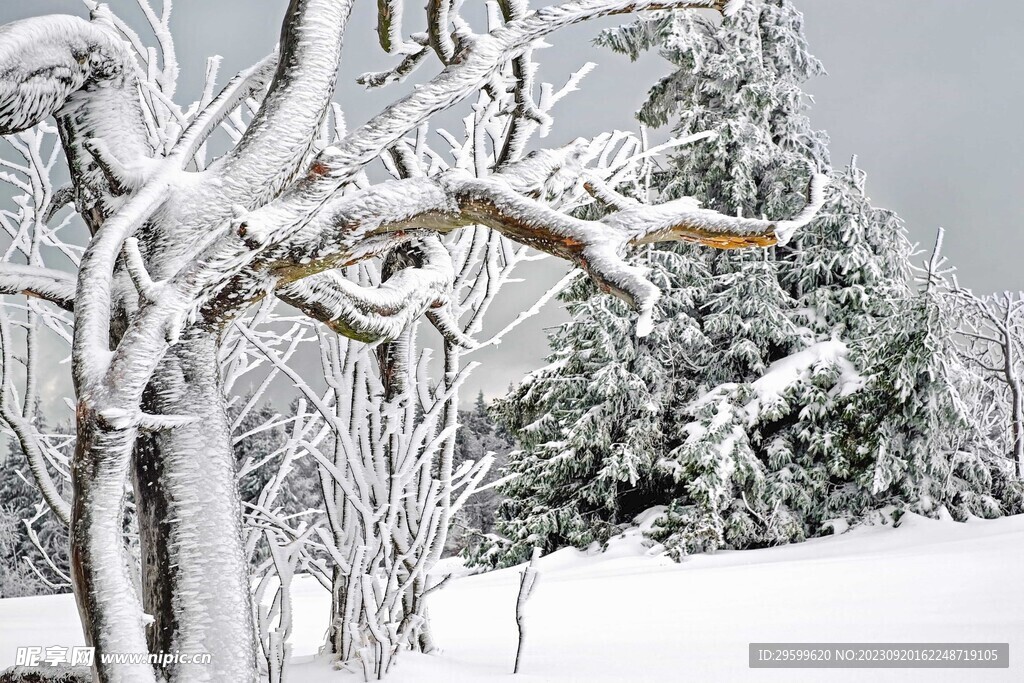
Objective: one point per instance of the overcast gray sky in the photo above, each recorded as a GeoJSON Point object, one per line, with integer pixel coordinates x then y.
{"type": "Point", "coordinates": [926, 92]}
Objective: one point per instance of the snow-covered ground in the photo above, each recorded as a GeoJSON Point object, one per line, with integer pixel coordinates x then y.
{"type": "Point", "coordinates": [624, 616]}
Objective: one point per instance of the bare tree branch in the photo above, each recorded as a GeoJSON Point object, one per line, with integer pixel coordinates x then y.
{"type": "Point", "coordinates": [437, 29]}
{"type": "Point", "coordinates": [241, 87]}
{"type": "Point", "coordinates": [523, 70]}
{"type": "Point", "coordinates": [277, 144]}
{"type": "Point", "coordinates": [373, 220]}
{"type": "Point", "coordinates": [54, 286]}
{"type": "Point", "coordinates": [389, 26]}
{"type": "Point", "coordinates": [377, 79]}
{"type": "Point", "coordinates": [381, 313]}
{"type": "Point", "coordinates": [459, 80]}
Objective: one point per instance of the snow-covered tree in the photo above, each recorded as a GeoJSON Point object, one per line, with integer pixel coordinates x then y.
{"type": "Point", "coordinates": [412, 454]}
{"type": "Point", "coordinates": [784, 369]}
{"type": "Point", "coordinates": [33, 541]}
{"type": "Point", "coordinates": [253, 444]}
{"type": "Point", "coordinates": [845, 282]}
{"type": "Point", "coordinates": [912, 423]}
{"type": "Point", "coordinates": [589, 424]}
{"type": "Point", "coordinates": [726, 316]}
{"type": "Point", "coordinates": [179, 250]}
{"type": "Point", "coordinates": [479, 436]}
{"type": "Point", "coordinates": [742, 79]}
{"type": "Point", "coordinates": [992, 329]}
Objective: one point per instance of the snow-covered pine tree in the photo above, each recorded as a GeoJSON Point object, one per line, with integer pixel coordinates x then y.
{"type": "Point", "coordinates": [794, 340]}
{"type": "Point", "coordinates": [585, 415]}
{"type": "Point", "coordinates": [743, 80]}
{"type": "Point", "coordinates": [912, 424]}
{"type": "Point", "coordinates": [479, 436]}
{"type": "Point", "coordinates": [589, 423]}
{"type": "Point", "coordinates": [845, 277]}
{"type": "Point", "coordinates": [876, 416]}
{"type": "Point", "coordinates": [850, 270]}
{"type": "Point", "coordinates": [847, 280]}
{"type": "Point", "coordinates": [882, 419]}
{"type": "Point", "coordinates": [253, 444]}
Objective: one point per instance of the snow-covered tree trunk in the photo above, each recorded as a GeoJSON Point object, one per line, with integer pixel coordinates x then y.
{"type": "Point", "coordinates": [527, 584]}
{"type": "Point", "coordinates": [188, 474]}
{"type": "Point", "coordinates": [194, 567]}
{"type": "Point", "coordinates": [1017, 422]}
